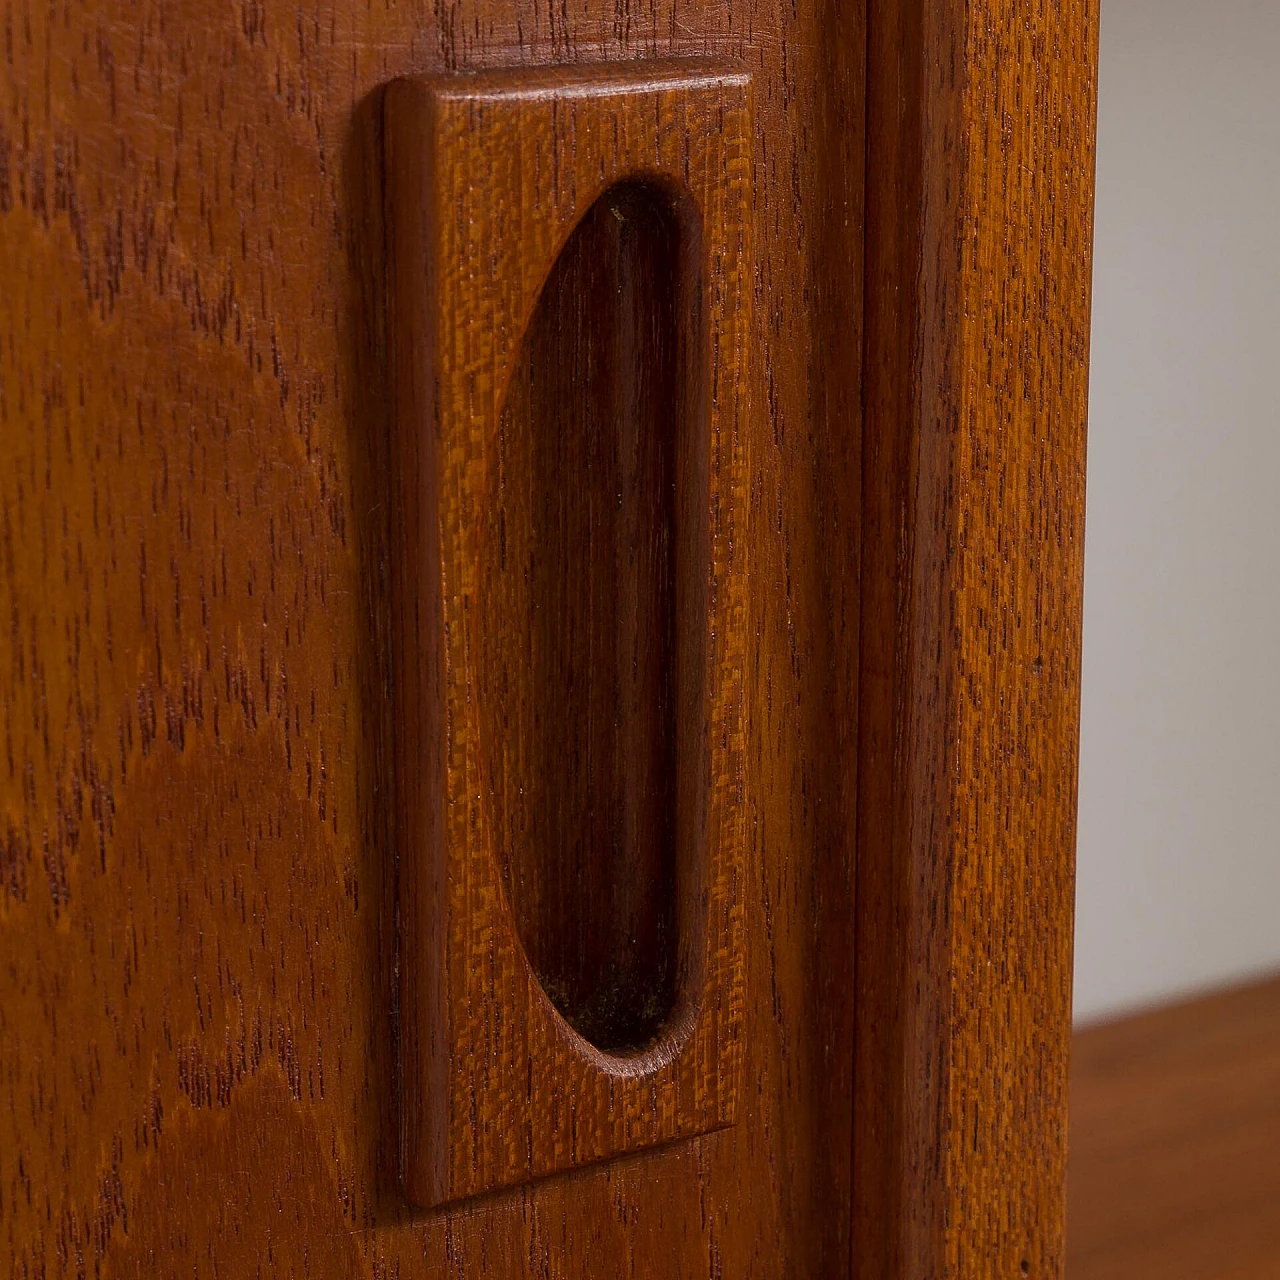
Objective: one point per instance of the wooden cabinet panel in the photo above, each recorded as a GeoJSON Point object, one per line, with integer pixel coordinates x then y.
{"type": "Point", "coordinates": [978, 247]}
{"type": "Point", "coordinates": [200, 862]}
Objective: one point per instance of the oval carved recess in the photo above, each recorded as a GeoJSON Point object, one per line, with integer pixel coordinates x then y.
{"type": "Point", "coordinates": [594, 552]}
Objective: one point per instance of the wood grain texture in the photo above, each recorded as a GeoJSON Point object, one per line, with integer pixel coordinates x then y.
{"type": "Point", "coordinates": [1175, 1141]}
{"type": "Point", "coordinates": [979, 214]}
{"type": "Point", "coordinates": [599, 426]}
{"type": "Point", "coordinates": [198, 959]}
{"type": "Point", "coordinates": [199, 860]}
{"type": "Point", "coordinates": [532, 728]}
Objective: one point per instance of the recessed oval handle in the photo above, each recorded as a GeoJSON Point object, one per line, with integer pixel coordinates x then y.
{"type": "Point", "coordinates": [594, 558]}
{"type": "Point", "coordinates": [570, 289]}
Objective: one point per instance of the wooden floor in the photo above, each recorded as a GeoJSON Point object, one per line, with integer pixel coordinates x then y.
{"type": "Point", "coordinates": [1175, 1143]}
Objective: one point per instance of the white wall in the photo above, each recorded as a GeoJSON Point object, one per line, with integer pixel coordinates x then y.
{"type": "Point", "coordinates": [1179, 847]}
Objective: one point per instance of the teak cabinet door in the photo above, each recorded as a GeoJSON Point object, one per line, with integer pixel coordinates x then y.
{"type": "Point", "coordinates": [540, 555]}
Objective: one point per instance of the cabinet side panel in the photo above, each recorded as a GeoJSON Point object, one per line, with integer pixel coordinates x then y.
{"type": "Point", "coordinates": [980, 173]}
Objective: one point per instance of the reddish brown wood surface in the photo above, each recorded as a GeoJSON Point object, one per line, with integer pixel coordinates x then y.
{"type": "Point", "coordinates": [572, 611]}
{"type": "Point", "coordinates": [1175, 1142]}
{"type": "Point", "coordinates": [599, 425]}
{"type": "Point", "coordinates": [198, 858]}
{"type": "Point", "coordinates": [197, 950]}
{"type": "Point", "coordinates": [979, 218]}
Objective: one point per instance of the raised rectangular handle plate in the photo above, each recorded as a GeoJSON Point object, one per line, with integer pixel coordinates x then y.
{"type": "Point", "coordinates": [570, 285]}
